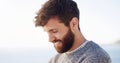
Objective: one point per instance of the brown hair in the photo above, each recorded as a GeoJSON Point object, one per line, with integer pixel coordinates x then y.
{"type": "Point", "coordinates": [64, 10]}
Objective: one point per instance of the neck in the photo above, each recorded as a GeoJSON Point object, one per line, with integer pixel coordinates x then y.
{"type": "Point", "coordinates": [79, 40]}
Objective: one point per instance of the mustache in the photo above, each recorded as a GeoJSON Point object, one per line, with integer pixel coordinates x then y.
{"type": "Point", "coordinates": [57, 40]}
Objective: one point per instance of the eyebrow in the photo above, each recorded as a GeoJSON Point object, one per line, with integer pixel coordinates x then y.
{"type": "Point", "coordinates": [50, 30]}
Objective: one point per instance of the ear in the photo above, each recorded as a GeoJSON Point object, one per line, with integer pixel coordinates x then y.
{"type": "Point", "coordinates": [74, 24]}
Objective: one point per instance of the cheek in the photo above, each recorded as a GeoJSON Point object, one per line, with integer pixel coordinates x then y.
{"type": "Point", "coordinates": [60, 35]}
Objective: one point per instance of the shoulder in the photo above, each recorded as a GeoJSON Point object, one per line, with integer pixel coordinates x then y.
{"type": "Point", "coordinates": [95, 54]}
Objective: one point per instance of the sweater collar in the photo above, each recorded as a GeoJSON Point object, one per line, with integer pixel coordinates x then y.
{"type": "Point", "coordinates": [77, 53]}
{"type": "Point", "coordinates": [81, 46]}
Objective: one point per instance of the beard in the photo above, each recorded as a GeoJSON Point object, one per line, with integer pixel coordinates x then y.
{"type": "Point", "coordinates": [67, 42]}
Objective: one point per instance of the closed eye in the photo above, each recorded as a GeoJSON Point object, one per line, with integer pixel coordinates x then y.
{"type": "Point", "coordinates": [54, 31]}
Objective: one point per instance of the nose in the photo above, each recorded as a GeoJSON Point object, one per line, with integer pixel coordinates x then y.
{"type": "Point", "coordinates": [51, 37]}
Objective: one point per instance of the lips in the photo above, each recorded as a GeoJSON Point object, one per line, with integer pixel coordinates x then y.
{"type": "Point", "coordinates": [58, 44]}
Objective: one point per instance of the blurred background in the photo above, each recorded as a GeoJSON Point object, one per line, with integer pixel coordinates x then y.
{"type": "Point", "coordinates": [22, 42]}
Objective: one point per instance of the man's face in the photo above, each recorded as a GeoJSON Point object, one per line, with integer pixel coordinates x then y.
{"type": "Point", "coordinates": [60, 35]}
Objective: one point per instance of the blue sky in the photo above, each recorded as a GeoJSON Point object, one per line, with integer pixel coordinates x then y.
{"type": "Point", "coordinates": [99, 21]}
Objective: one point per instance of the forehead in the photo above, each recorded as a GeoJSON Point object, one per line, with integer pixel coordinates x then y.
{"type": "Point", "coordinates": [53, 23]}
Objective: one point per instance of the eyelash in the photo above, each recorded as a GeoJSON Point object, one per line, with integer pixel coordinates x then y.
{"type": "Point", "coordinates": [54, 31]}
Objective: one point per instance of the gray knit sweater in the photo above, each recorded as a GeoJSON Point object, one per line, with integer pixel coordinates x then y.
{"type": "Point", "coordinates": [90, 53]}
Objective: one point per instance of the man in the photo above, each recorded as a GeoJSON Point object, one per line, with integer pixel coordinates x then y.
{"type": "Point", "coordinates": [60, 18]}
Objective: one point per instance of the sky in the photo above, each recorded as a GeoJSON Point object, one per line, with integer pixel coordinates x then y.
{"type": "Point", "coordinates": [99, 22]}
